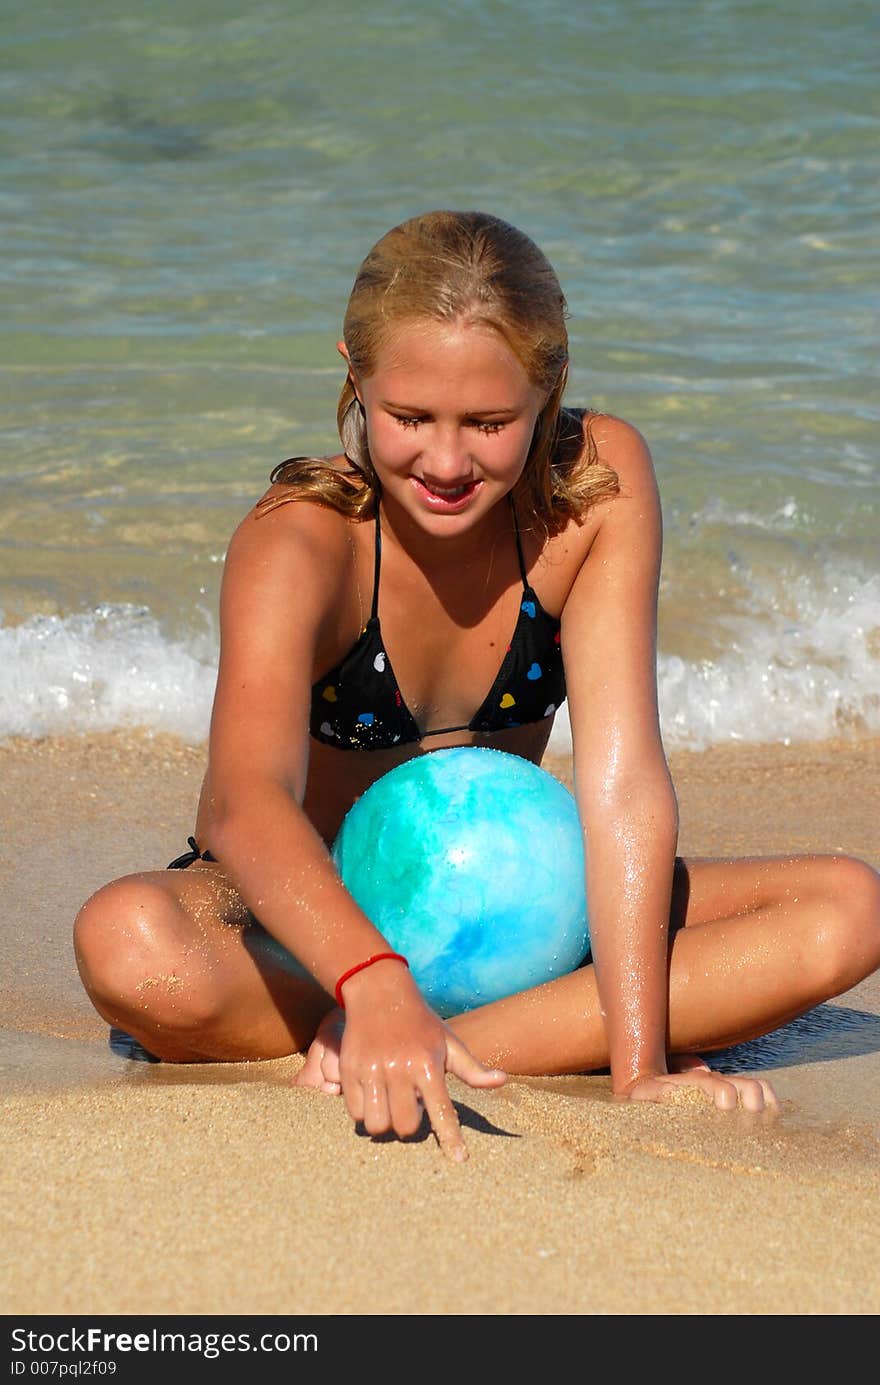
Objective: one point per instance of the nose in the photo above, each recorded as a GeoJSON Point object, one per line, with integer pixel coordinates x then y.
{"type": "Point", "coordinates": [447, 462]}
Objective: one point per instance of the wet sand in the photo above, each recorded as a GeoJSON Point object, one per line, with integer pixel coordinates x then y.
{"type": "Point", "coordinates": [133, 1188]}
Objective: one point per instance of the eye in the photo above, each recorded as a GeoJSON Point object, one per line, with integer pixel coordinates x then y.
{"type": "Point", "coordinates": [407, 422]}
{"type": "Point", "coordinates": [484, 427]}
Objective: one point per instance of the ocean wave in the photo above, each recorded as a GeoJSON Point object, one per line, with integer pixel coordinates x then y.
{"type": "Point", "coordinates": [102, 669]}
{"type": "Point", "coordinates": [802, 663]}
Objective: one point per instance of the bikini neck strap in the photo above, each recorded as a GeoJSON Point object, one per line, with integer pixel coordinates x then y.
{"type": "Point", "coordinates": [377, 563]}
{"type": "Point", "coordinates": [519, 551]}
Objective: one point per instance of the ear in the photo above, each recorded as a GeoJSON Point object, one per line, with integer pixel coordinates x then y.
{"type": "Point", "coordinates": [343, 351]}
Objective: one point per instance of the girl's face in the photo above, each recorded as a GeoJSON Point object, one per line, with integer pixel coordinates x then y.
{"type": "Point", "coordinates": [450, 416]}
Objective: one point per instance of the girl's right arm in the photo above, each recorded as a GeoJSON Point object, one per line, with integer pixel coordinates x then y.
{"type": "Point", "coordinates": [281, 590]}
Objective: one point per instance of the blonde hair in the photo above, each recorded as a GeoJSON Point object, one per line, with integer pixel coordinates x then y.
{"type": "Point", "coordinates": [448, 267]}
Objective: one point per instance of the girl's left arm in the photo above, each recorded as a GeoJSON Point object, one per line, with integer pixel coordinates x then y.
{"type": "Point", "coordinates": [622, 782]}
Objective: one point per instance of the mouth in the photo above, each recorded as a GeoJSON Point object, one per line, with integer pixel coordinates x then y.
{"type": "Point", "coordinates": [445, 498]}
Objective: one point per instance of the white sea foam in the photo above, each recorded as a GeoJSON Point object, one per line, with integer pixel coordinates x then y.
{"type": "Point", "coordinates": [803, 663]}
{"type": "Point", "coordinates": [112, 667]}
{"type": "Point", "coordinates": [800, 665]}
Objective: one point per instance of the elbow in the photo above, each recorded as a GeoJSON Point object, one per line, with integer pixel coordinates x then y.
{"type": "Point", "coordinates": [659, 814]}
{"type": "Point", "coordinates": [646, 803]}
{"type": "Point", "coordinates": [673, 824]}
{"type": "Point", "coordinates": [224, 836]}
{"type": "Point", "coordinates": [218, 836]}
{"type": "Point", "coordinates": [665, 808]}
{"type": "Point", "coordinates": [238, 825]}
{"type": "Point", "coordinates": [235, 839]}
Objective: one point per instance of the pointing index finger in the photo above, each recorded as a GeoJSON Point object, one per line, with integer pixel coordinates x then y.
{"type": "Point", "coordinates": [444, 1118]}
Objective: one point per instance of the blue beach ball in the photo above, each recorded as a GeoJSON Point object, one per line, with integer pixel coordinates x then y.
{"type": "Point", "coordinates": [470, 862]}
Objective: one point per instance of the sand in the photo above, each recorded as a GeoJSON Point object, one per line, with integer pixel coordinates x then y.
{"type": "Point", "coordinates": [134, 1189]}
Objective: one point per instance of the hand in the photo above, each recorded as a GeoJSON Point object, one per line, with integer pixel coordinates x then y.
{"type": "Point", "coordinates": [389, 1055]}
{"type": "Point", "coordinates": [688, 1071]}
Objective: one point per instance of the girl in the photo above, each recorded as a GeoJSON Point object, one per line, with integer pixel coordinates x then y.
{"type": "Point", "coordinates": [471, 528]}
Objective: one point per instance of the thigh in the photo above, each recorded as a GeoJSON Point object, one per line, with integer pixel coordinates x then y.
{"type": "Point", "coordinates": [212, 917]}
{"type": "Point", "coordinates": [705, 890]}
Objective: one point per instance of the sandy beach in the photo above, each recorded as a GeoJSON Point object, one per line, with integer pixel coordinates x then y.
{"type": "Point", "coordinates": [134, 1188]}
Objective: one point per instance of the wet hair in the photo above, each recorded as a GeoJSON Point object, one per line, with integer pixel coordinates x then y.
{"type": "Point", "coordinates": [461, 267]}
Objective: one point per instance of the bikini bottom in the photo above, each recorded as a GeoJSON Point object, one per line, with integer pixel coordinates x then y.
{"type": "Point", "coordinates": [194, 854]}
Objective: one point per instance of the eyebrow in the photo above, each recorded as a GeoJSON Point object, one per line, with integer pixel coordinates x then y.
{"type": "Point", "coordinates": [507, 412]}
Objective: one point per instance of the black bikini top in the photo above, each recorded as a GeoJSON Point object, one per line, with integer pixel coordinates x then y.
{"type": "Point", "coordinates": [358, 704]}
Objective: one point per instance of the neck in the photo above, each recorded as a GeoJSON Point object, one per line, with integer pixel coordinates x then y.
{"type": "Point", "coordinates": [438, 553]}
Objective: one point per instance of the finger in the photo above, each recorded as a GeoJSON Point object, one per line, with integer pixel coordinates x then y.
{"type": "Point", "coordinates": [771, 1100]}
{"type": "Point", "coordinates": [723, 1093]}
{"type": "Point", "coordinates": [462, 1063]}
{"type": "Point", "coordinates": [353, 1093]}
{"type": "Point", "coordinates": [751, 1093]}
{"type": "Point", "coordinates": [443, 1118]}
{"type": "Point", "coordinates": [377, 1116]}
{"type": "Point", "coordinates": [406, 1109]}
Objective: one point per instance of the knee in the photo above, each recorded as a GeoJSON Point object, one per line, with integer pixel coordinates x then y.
{"type": "Point", "coordinates": [849, 927]}
{"type": "Point", "coordinates": [131, 954]}
{"type": "Point", "coordinates": [118, 934]}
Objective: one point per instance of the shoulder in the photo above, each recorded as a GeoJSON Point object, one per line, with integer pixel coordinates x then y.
{"type": "Point", "coordinates": [620, 446]}
{"type": "Point", "coordinates": [619, 538]}
{"type": "Point", "coordinates": [612, 469]}
{"type": "Point", "coordinates": [630, 510]}
{"type": "Point", "coordinates": [281, 529]}
{"type": "Point", "coordinates": [293, 552]}
{"type": "Point", "coordinates": [622, 535]}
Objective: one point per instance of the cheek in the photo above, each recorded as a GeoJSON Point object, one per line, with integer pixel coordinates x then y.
{"type": "Point", "coordinates": [389, 442]}
{"type": "Point", "coordinates": [509, 450]}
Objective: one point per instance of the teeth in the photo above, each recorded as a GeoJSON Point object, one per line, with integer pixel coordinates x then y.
{"type": "Point", "coordinates": [447, 492]}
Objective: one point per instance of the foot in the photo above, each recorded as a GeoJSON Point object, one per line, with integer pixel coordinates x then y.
{"type": "Point", "coordinates": [321, 1067]}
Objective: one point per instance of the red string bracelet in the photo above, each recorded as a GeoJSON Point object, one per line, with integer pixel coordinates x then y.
{"type": "Point", "coordinates": [359, 966]}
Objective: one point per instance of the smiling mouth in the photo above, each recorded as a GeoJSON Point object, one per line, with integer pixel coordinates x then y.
{"type": "Point", "coordinates": [447, 492]}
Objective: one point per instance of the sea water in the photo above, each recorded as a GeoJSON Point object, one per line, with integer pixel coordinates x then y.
{"type": "Point", "coordinates": [188, 187]}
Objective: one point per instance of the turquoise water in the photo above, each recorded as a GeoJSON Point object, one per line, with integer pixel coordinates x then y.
{"type": "Point", "coordinates": [188, 188]}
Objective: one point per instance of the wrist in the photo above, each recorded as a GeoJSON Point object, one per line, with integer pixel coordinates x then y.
{"type": "Point", "coordinates": [625, 1076]}
{"type": "Point", "coordinates": [351, 982]}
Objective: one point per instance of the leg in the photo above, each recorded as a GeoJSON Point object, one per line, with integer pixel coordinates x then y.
{"type": "Point", "coordinates": [753, 944]}
{"type": "Point", "coordinates": [175, 958]}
